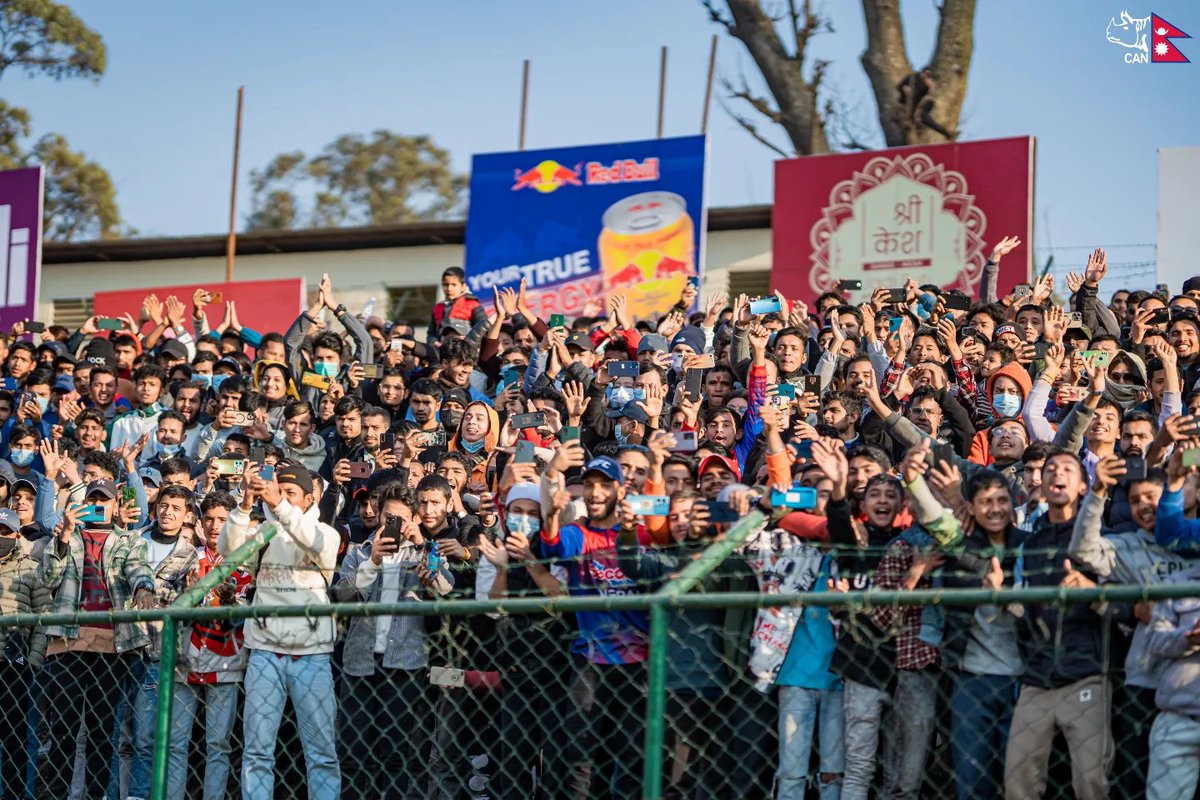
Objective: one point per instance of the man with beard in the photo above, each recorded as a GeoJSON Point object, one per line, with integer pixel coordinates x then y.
{"type": "Point", "coordinates": [425, 404]}
{"type": "Point", "coordinates": [1064, 687]}
{"type": "Point", "coordinates": [843, 410]}
{"type": "Point", "coordinates": [608, 680]}
{"type": "Point", "coordinates": [1130, 558]}
{"type": "Point", "coordinates": [1184, 336]}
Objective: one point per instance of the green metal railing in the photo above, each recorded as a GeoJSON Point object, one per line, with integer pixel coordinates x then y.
{"type": "Point", "coordinates": [677, 595]}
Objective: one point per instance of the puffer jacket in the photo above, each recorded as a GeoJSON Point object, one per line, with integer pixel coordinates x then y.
{"type": "Point", "coordinates": [21, 592]}
{"type": "Point", "coordinates": [311, 455]}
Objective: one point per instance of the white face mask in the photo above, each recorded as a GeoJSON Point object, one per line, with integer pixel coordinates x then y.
{"type": "Point", "coordinates": [526, 524]}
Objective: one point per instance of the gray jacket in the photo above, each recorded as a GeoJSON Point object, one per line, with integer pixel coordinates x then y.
{"type": "Point", "coordinates": [1131, 558]}
{"type": "Point", "coordinates": [360, 580]}
{"type": "Point", "coordinates": [1179, 684]}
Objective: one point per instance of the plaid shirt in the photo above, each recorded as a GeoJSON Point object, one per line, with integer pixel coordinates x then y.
{"type": "Point", "coordinates": [126, 570]}
{"type": "Point", "coordinates": [911, 652]}
{"type": "Point", "coordinates": [170, 579]}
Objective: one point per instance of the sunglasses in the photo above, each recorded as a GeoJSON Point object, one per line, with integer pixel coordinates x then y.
{"type": "Point", "coordinates": [1123, 377]}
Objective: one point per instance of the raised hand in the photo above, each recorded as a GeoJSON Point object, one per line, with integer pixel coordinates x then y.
{"type": "Point", "coordinates": [1074, 282]}
{"type": "Point", "coordinates": [325, 291]}
{"type": "Point", "coordinates": [1004, 247]}
{"type": "Point", "coordinates": [1055, 324]}
{"type": "Point", "coordinates": [498, 304]}
{"type": "Point", "coordinates": [576, 401]}
{"type": "Point", "coordinates": [1097, 267]}
{"type": "Point", "coordinates": [914, 464]}
{"type": "Point", "coordinates": [716, 302]}
{"type": "Point", "coordinates": [1043, 289]}
{"type": "Point", "coordinates": [175, 312]}
{"type": "Point", "coordinates": [152, 309]}
{"type": "Point", "coordinates": [653, 403]}
{"type": "Point", "coordinates": [671, 325]}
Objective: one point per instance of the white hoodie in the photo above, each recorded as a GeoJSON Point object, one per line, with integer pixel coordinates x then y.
{"type": "Point", "coordinates": [295, 569]}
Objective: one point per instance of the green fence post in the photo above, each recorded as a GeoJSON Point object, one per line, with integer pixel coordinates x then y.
{"type": "Point", "coordinates": [656, 679]}
{"type": "Point", "coordinates": [166, 701]}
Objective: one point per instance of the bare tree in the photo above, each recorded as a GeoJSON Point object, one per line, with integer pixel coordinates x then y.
{"type": "Point", "coordinates": [914, 106]}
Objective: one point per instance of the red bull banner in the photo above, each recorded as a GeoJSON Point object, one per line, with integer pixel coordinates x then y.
{"type": "Point", "coordinates": [578, 222]}
{"type": "Point", "coordinates": [932, 213]}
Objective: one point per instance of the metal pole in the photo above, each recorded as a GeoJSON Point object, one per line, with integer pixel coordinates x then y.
{"type": "Point", "coordinates": [656, 704]}
{"type": "Point", "coordinates": [166, 701]}
{"type": "Point", "coordinates": [712, 66]}
{"type": "Point", "coordinates": [524, 103]}
{"type": "Point", "coordinates": [662, 88]}
{"type": "Point", "coordinates": [231, 242]}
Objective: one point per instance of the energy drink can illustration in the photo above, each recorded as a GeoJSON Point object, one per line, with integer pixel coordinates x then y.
{"type": "Point", "coordinates": [647, 250]}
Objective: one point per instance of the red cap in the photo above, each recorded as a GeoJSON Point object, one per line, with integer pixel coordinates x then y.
{"type": "Point", "coordinates": [730, 463]}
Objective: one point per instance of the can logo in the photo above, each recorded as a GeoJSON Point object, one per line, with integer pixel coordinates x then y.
{"type": "Point", "coordinates": [647, 250]}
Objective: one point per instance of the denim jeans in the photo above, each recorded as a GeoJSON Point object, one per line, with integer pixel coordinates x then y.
{"type": "Point", "coordinates": [863, 709]}
{"type": "Point", "coordinates": [981, 708]}
{"type": "Point", "coordinates": [914, 708]}
{"type": "Point", "coordinates": [271, 679]}
{"type": "Point", "coordinates": [144, 701]}
{"type": "Point", "coordinates": [1174, 757]}
{"type": "Point", "coordinates": [801, 712]}
{"type": "Point", "coordinates": [220, 708]}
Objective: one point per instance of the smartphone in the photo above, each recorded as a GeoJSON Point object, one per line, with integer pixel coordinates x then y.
{"type": "Point", "coordinates": [1191, 458]}
{"type": "Point", "coordinates": [894, 324]}
{"type": "Point", "coordinates": [396, 344]}
{"type": "Point", "coordinates": [359, 469]}
{"type": "Point", "coordinates": [372, 371]}
{"type": "Point", "coordinates": [316, 381]}
{"type": "Point", "coordinates": [897, 296]}
{"type": "Point", "coordinates": [1072, 394]}
{"type": "Point", "coordinates": [719, 513]}
{"type": "Point", "coordinates": [685, 442]}
{"type": "Point", "coordinates": [510, 375]}
{"type": "Point", "coordinates": [1075, 316]}
{"type": "Point", "coordinates": [1098, 358]}
{"type": "Point", "coordinates": [391, 529]}
{"type": "Point", "coordinates": [11, 385]}
{"type": "Point", "coordinates": [447, 676]}
{"type": "Point", "coordinates": [470, 502]}
{"type": "Point", "coordinates": [267, 473]}
{"type": "Point", "coordinates": [1161, 288]}
{"type": "Point", "coordinates": [534, 419]}
{"type": "Point", "coordinates": [229, 466]}
{"type": "Point", "coordinates": [1135, 469]}
{"type": "Point", "coordinates": [91, 513]}
{"type": "Point", "coordinates": [387, 442]}
{"type": "Point", "coordinates": [649, 505]}
{"type": "Point", "coordinates": [569, 433]}
{"type": "Point", "coordinates": [849, 286]}
{"type": "Point", "coordinates": [798, 497]}
{"type": "Point", "coordinates": [766, 305]}
{"type": "Point", "coordinates": [789, 391]}
{"type": "Point", "coordinates": [1160, 316]}
{"type": "Point", "coordinates": [694, 282]}
{"type": "Point", "coordinates": [780, 401]}
{"type": "Point", "coordinates": [1040, 348]}
{"type": "Point", "coordinates": [257, 454]}
{"type": "Point", "coordinates": [558, 321]}
{"type": "Point", "coordinates": [812, 385]}
{"type": "Point", "coordinates": [623, 369]}
{"type": "Point", "coordinates": [803, 448]}
{"type": "Point", "coordinates": [433, 560]}
{"type": "Point", "coordinates": [704, 361]}
{"type": "Point", "coordinates": [243, 418]}
{"type": "Point", "coordinates": [35, 327]}
{"type": "Point", "coordinates": [128, 495]}
{"type": "Point", "coordinates": [956, 302]}
{"type": "Point", "coordinates": [942, 453]}
{"type": "Point", "coordinates": [524, 452]}
{"type": "Point", "coordinates": [431, 439]}
{"type": "Point", "coordinates": [694, 384]}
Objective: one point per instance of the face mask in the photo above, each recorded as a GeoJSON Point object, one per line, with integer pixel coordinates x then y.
{"type": "Point", "coordinates": [471, 447]}
{"type": "Point", "coordinates": [1006, 405]}
{"type": "Point", "coordinates": [7, 545]}
{"type": "Point", "coordinates": [522, 523]}
{"type": "Point", "coordinates": [619, 396]}
{"type": "Point", "coordinates": [43, 403]}
{"type": "Point", "coordinates": [622, 436]}
{"type": "Point", "coordinates": [215, 381]}
{"type": "Point", "coordinates": [450, 419]}
{"type": "Point", "coordinates": [170, 450]}
{"type": "Point", "coordinates": [325, 369]}
{"type": "Point", "coordinates": [21, 458]}
{"type": "Point", "coordinates": [1123, 394]}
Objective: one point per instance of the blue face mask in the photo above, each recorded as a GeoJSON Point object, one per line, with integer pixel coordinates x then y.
{"type": "Point", "coordinates": [619, 396]}
{"type": "Point", "coordinates": [522, 523]}
{"type": "Point", "coordinates": [621, 436]}
{"type": "Point", "coordinates": [43, 403]}
{"type": "Point", "coordinates": [170, 450]}
{"type": "Point", "coordinates": [325, 369]}
{"type": "Point", "coordinates": [1006, 405]}
{"type": "Point", "coordinates": [215, 381]}
{"type": "Point", "coordinates": [21, 458]}
{"type": "Point", "coordinates": [471, 447]}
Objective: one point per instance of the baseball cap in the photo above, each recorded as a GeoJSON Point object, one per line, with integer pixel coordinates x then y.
{"type": "Point", "coordinates": [1006, 329]}
{"type": "Point", "coordinates": [103, 486]}
{"type": "Point", "coordinates": [582, 341]}
{"type": "Point", "coordinates": [64, 383]}
{"type": "Point", "coordinates": [459, 326]}
{"type": "Point", "coordinates": [150, 474]}
{"type": "Point", "coordinates": [174, 349]}
{"type": "Point", "coordinates": [606, 467]}
{"type": "Point", "coordinates": [6, 472]}
{"type": "Point", "coordinates": [9, 520]}
{"type": "Point", "coordinates": [729, 463]}
{"type": "Point", "coordinates": [653, 342]}
{"type": "Point", "coordinates": [19, 482]}
{"type": "Point", "coordinates": [296, 474]}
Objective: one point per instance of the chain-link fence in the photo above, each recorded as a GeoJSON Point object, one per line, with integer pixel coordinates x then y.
{"type": "Point", "coordinates": [735, 669]}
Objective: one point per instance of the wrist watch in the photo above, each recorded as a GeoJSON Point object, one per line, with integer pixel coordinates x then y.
{"type": "Point", "coordinates": [341, 309]}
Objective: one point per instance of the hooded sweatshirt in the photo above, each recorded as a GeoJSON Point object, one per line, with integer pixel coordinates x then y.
{"type": "Point", "coordinates": [982, 443]}
{"type": "Point", "coordinates": [1179, 682]}
{"type": "Point", "coordinates": [295, 568]}
{"type": "Point", "coordinates": [311, 455]}
{"type": "Point", "coordinates": [480, 457]}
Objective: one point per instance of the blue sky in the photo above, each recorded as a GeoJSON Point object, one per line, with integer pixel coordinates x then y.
{"type": "Point", "coordinates": [161, 119]}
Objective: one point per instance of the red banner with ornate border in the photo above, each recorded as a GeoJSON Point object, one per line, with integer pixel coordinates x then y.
{"type": "Point", "coordinates": [929, 212]}
{"type": "Point", "coordinates": [263, 306]}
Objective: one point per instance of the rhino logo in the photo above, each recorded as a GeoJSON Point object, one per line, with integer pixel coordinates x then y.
{"type": "Point", "coordinates": [1128, 32]}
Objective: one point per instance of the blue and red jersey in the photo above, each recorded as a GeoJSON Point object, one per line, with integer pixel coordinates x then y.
{"type": "Point", "coordinates": [590, 556]}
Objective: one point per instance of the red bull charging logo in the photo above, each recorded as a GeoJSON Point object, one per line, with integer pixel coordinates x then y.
{"type": "Point", "coordinates": [547, 176]}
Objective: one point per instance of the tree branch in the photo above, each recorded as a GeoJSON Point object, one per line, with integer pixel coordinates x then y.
{"type": "Point", "coordinates": [718, 18]}
{"type": "Point", "coordinates": [752, 129]}
{"type": "Point", "coordinates": [760, 104]}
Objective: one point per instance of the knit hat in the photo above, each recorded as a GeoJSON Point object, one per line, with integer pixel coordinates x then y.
{"type": "Point", "coordinates": [653, 343]}
{"type": "Point", "coordinates": [523, 491]}
{"type": "Point", "coordinates": [691, 336]}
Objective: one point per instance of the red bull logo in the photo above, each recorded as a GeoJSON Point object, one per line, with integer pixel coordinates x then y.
{"type": "Point", "coordinates": [547, 176]}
